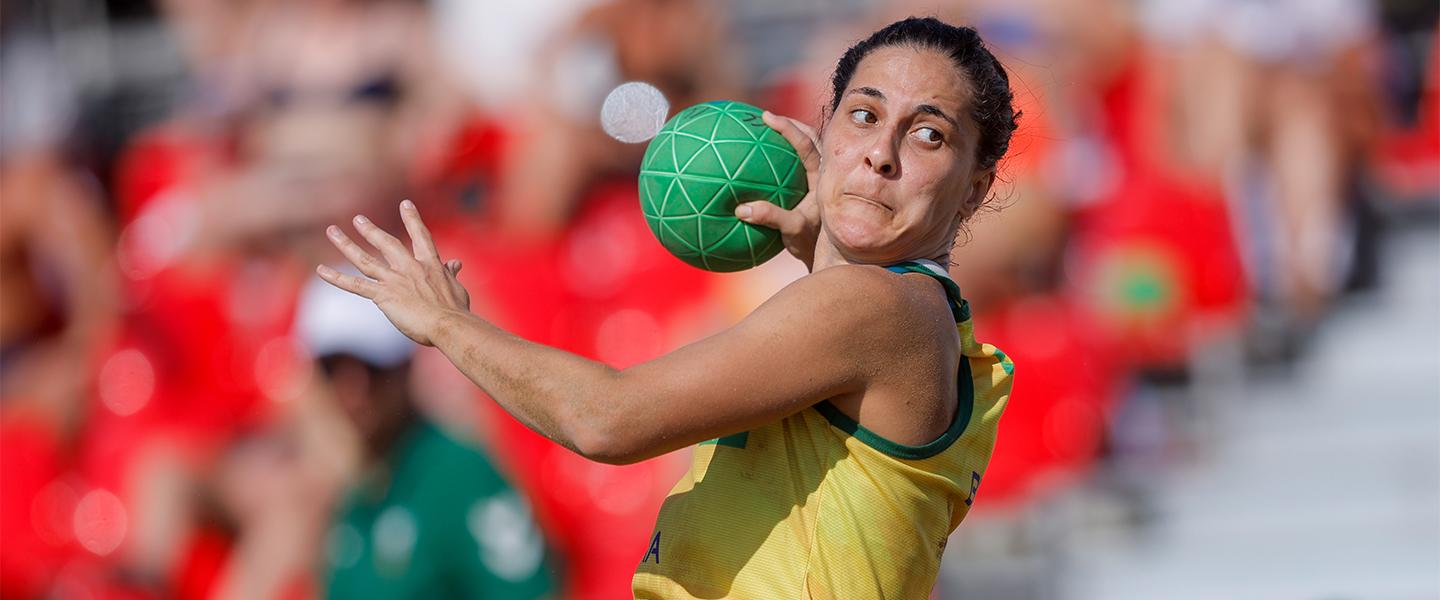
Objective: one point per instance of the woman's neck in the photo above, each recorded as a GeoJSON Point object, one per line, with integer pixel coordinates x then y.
{"type": "Point", "coordinates": [828, 255]}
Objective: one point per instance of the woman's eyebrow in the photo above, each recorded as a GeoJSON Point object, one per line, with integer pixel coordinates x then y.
{"type": "Point", "coordinates": [868, 91]}
{"type": "Point", "coordinates": [928, 109]}
{"type": "Point", "coordinates": [931, 109]}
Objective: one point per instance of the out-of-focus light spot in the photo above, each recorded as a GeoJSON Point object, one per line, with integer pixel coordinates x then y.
{"type": "Point", "coordinates": [52, 511]}
{"type": "Point", "coordinates": [510, 544]}
{"type": "Point", "coordinates": [282, 369]}
{"type": "Point", "coordinates": [157, 237]}
{"type": "Point", "coordinates": [627, 337]}
{"type": "Point", "coordinates": [562, 472]}
{"type": "Point", "coordinates": [100, 522]}
{"type": "Point", "coordinates": [127, 382]}
{"type": "Point", "coordinates": [600, 256]}
{"type": "Point", "coordinates": [1136, 284]}
{"type": "Point", "coordinates": [344, 546]}
{"type": "Point", "coordinates": [254, 299]}
{"type": "Point", "coordinates": [691, 322]}
{"type": "Point", "coordinates": [394, 536]}
{"type": "Point", "coordinates": [619, 490]}
{"type": "Point", "coordinates": [130, 254]}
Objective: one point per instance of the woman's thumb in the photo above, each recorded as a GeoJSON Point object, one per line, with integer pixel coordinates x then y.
{"type": "Point", "coordinates": [763, 213]}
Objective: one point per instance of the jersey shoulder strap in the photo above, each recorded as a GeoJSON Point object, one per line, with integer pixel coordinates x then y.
{"type": "Point", "coordinates": [958, 306]}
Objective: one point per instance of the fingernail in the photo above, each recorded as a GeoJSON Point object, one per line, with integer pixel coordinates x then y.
{"type": "Point", "coordinates": [407, 204]}
{"type": "Point", "coordinates": [332, 231]}
{"type": "Point", "coordinates": [743, 211]}
{"type": "Point", "coordinates": [361, 219]}
{"type": "Point", "coordinates": [324, 270]}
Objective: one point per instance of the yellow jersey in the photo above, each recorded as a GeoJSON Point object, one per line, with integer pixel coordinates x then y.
{"type": "Point", "coordinates": [817, 506]}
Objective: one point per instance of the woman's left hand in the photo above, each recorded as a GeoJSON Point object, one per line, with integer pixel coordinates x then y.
{"type": "Point", "coordinates": [411, 286]}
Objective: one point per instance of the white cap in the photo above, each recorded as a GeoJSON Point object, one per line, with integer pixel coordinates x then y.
{"type": "Point", "coordinates": [333, 321]}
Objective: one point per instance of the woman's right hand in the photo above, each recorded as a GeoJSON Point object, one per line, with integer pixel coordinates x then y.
{"type": "Point", "coordinates": [800, 226]}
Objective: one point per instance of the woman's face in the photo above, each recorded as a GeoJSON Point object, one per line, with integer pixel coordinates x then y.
{"type": "Point", "coordinates": [897, 173]}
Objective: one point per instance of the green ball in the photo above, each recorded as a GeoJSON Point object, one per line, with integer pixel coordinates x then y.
{"type": "Point", "coordinates": [705, 161]}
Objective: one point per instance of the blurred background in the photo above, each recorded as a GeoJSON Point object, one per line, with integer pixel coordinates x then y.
{"type": "Point", "coordinates": [1215, 255]}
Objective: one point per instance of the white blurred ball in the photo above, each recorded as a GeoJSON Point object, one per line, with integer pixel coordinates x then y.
{"type": "Point", "coordinates": [634, 112]}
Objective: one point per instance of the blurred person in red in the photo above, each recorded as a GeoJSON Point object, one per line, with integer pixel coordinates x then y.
{"type": "Point", "coordinates": [1011, 266]}
{"type": "Point", "coordinates": [205, 195]}
{"type": "Point", "coordinates": [58, 305]}
{"type": "Point", "coordinates": [677, 46]}
{"type": "Point", "coordinates": [547, 222]}
{"type": "Point", "coordinates": [206, 345]}
{"type": "Point", "coordinates": [261, 530]}
{"type": "Point", "coordinates": [300, 112]}
{"type": "Point", "coordinates": [1278, 99]}
{"type": "Point", "coordinates": [1407, 159]}
{"type": "Point", "coordinates": [1148, 274]}
{"type": "Point", "coordinates": [340, 494]}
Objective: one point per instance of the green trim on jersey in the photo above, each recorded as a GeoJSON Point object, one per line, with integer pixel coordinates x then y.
{"type": "Point", "coordinates": [963, 411]}
{"type": "Point", "coordinates": [959, 307]}
{"type": "Point", "coordinates": [963, 381]}
{"type": "Point", "coordinates": [734, 441]}
{"type": "Point", "coordinates": [818, 506]}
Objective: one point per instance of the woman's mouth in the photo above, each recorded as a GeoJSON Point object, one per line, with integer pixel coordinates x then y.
{"type": "Point", "coordinates": [867, 200]}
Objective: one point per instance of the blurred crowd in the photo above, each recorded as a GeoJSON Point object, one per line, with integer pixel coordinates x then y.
{"type": "Point", "coordinates": [184, 412]}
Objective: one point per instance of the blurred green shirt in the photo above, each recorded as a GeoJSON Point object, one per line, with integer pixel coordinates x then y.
{"type": "Point", "coordinates": [442, 524]}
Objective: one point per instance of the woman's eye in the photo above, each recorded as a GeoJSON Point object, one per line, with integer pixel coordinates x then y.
{"type": "Point", "coordinates": [928, 135]}
{"type": "Point", "coordinates": [862, 117]}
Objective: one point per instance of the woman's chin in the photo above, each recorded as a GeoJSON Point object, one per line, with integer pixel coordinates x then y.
{"type": "Point", "coordinates": [861, 243]}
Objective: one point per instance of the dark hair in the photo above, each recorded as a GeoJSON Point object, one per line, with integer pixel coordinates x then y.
{"type": "Point", "coordinates": [991, 102]}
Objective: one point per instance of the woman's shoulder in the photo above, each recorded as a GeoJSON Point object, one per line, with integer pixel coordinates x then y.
{"type": "Point", "coordinates": [874, 298]}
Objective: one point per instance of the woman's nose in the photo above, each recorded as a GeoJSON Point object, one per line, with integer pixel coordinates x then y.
{"type": "Point", "coordinates": [881, 159]}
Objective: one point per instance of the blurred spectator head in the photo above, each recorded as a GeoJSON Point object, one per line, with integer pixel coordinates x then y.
{"type": "Point", "coordinates": [325, 161]}
{"type": "Point", "coordinates": [364, 359]}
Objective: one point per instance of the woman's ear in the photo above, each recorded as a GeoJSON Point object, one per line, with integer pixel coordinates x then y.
{"type": "Point", "coordinates": [979, 190]}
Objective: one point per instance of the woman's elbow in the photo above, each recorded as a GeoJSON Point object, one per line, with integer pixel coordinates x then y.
{"type": "Point", "coordinates": [609, 447]}
{"type": "Point", "coordinates": [612, 443]}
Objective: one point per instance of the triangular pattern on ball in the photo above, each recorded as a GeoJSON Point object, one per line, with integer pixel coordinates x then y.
{"type": "Point", "coordinates": [705, 161]}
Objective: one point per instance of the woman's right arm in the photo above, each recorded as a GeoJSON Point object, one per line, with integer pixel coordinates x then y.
{"type": "Point", "coordinates": [821, 337]}
{"type": "Point", "coordinates": [825, 335]}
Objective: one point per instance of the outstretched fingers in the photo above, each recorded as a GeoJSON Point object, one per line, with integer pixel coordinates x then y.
{"type": "Point", "coordinates": [359, 286]}
{"type": "Point", "coordinates": [421, 243]}
{"type": "Point", "coordinates": [369, 265]}
{"type": "Point", "coordinates": [390, 247]}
